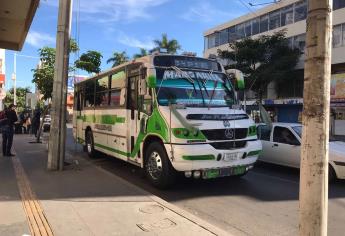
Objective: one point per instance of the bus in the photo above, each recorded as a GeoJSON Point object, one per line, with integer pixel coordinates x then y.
{"type": "Point", "coordinates": [167, 114]}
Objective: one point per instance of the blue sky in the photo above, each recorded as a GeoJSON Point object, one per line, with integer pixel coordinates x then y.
{"type": "Point", "coordinates": [117, 25]}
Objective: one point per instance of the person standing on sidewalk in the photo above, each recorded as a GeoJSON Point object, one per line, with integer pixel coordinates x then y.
{"type": "Point", "coordinates": [8, 130]}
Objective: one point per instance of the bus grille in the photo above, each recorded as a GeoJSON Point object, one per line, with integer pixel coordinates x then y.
{"type": "Point", "coordinates": [221, 134]}
{"type": "Point", "coordinates": [229, 145]}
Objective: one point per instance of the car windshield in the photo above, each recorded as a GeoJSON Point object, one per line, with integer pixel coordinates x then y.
{"type": "Point", "coordinates": [194, 88]}
{"type": "Point", "coordinates": [298, 130]}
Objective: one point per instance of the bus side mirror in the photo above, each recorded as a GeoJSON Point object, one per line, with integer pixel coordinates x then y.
{"type": "Point", "coordinates": [151, 81]}
{"type": "Point", "coordinates": [238, 77]}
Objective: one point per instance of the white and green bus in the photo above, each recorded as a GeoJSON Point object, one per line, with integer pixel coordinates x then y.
{"type": "Point", "coordinates": [166, 114]}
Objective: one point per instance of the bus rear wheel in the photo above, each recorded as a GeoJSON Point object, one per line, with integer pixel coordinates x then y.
{"type": "Point", "coordinates": [89, 144]}
{"type": "Point", "coordinates": [158, 168]}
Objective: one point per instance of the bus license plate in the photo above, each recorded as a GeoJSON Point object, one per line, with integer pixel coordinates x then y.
{"type": "Point", "coordinates": [231, 156]}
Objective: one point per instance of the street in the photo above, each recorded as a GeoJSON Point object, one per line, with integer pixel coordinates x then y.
{"type": "Point", "coordinates": [264, 202]}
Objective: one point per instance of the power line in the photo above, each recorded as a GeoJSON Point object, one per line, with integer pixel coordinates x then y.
{"type": "Point", "coordinates": [245, 5]}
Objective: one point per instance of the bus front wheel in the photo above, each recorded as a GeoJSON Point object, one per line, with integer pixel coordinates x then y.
{"type": "Point", "coordinates": [89, 144]}
{"type": "Point", "coordinates": [158, 168]}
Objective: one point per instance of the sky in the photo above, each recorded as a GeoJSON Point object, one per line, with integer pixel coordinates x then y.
{"type": "Point", "coordinates": [122, 25]}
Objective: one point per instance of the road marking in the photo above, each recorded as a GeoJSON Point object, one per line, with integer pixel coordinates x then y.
{"type": "Point", "coordinates": [36, 218]}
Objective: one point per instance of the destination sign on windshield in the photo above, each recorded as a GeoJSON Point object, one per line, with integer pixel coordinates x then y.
{"type": "Point", "coordinates": [186, 62]}
{"type": "Point", "coordinates": [171, 74]}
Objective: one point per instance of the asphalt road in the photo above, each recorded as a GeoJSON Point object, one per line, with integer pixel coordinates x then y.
{"type": "Point", "coordinates": [264, 202]}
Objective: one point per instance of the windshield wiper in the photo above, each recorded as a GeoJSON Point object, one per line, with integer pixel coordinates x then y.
{"type": "Point", "coordinates": [186, 76]}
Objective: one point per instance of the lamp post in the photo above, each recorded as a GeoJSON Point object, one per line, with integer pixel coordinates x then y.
{"type": "Point", "coordinates": [14, 75]}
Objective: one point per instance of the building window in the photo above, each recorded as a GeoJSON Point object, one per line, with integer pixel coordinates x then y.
{"type": "Point", "coordinates": [206, 43]}
{"type": "Point", "coordinates": [300, 10]}
{"type": "Point", "coordinates": [337, 36]}
{"type": "Point", "coordinates": [274, 19]}
{"type": "Point", "coordinates": [263, 23]}
{"type": "Point", "coordinates": [232, 34]}
{"type": "Point", "coordinates": [212, 41]}
{"type": "Point", "coordinates": [240, 31]}
{"type": "Point", "coordinates": [299, 42]}
{"type": "Point", "coordinates": [255, 26]}
{"type": "Point", "coordinates": [286, 15]}
{"type": "Point", "coordinates": [337, 4]}
{"type": "Point", "coordinates": [223, 37]}
{"type": "Point", "coordinates": [248, 29]}
{"type": "Point", "coordinates": [343, 34]}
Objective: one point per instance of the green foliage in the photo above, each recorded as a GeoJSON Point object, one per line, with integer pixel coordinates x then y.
{"type": "Point", "coordinates": [170, 45]}
{"type": "Point", "coordinates": [118, 58]}
{"type": "Point", "coordinates": [21, 94]}
{"type": "Point", "coordinates": [73, 46]}
{"type": "Point", "coordinates": [262, 60]}
{"type": "Point", "coordinates": [89, 61]}
{"type": "Point", "coordinates": [143, 52]}
{"type": "Point", "coordinates": [43, 76]}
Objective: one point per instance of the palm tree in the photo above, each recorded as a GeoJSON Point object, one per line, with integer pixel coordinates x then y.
{"type": "Point", "coordinates": [170, 45]}
{"type": "Point", "coordinates": [118, 58]}
{"type": "Point", "coordinates": [143, 52]}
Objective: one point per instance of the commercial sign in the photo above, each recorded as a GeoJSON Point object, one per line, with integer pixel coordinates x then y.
{"type": "Point", "coordinates": [338, 88]}
{"type": "Point", "coordinates": [72, 79]}
{"type": "Point", "coordinates": [2, 66]}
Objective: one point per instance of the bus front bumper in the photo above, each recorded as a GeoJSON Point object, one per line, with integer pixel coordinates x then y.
{"type": "Point", "coordinates": [185, 157]}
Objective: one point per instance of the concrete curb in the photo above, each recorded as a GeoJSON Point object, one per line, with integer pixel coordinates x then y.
{"type": "Point", "coordinates": [185, 214]}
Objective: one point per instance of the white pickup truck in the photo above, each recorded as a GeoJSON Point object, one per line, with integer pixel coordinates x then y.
{"type": "Point", "coordinates": [281, 144]}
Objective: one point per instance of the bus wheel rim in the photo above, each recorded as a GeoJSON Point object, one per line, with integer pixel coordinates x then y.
{"type": "Point", "coordinates": [154, 165]}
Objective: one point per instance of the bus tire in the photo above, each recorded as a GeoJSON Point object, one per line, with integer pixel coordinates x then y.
{"type": "Point", "coordinates": [158, 169]}
{"type": "Point", "coordinates": [89, 144]}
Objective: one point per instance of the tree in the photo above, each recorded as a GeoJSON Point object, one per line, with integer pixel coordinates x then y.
{"type": "Point", "coordinates": [170, 45]}
{"type": "Point", "coordinates": [118, 58]}
{"type": "Point", "coordinates": [43, 75]}
{"type": "Point", "coordinates": [262, 60]}
{"type": "Point", "coordinates": [143, 52]}
{"type": "Point", "coordinates": [21, 95]}
{"type": "Point", "coordinates": [89, 61]}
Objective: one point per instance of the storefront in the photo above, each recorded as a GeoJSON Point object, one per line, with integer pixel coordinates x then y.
{"type": "Point", "coordinates": [338, 104]}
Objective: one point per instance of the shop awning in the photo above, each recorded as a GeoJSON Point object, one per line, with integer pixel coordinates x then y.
{"type": "Point", "coordinates": [15, 20]}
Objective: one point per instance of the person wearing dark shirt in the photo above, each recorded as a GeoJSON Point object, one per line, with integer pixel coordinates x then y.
{"type": "Point", "coordinates": [7, 131]}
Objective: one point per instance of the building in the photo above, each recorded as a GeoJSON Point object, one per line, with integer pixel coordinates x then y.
{"type": "Point", "coordinates": [72, 79]}
{"type": "Point", "coordinates": [286, 102]}
{"type": "Point", "coordinates": [2, 76]}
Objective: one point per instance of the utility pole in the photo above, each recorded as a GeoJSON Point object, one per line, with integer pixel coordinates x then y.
{"type": "Point", "coordinates": [316, 101]}
{"type": "Point", "coordinates": [56, 151]}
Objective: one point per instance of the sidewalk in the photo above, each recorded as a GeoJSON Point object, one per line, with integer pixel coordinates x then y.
{"type": "Point", "coordinates": [82, 200]}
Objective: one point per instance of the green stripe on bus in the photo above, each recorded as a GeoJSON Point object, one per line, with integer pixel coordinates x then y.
{"type": "Point", "coordinates": [112, 150]}
{"type": "Point", "coordinates": [253, 153]}
{"type": "Point", "coordinates": [103, 119]}
{"type": "Point", "coordinates": [199, 157]}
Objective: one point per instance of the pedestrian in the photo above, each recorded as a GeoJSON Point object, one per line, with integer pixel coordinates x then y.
{"type": "Point", "coordinates": [8, 130]}
{"type": "Point", "coordinates": [36, 121]}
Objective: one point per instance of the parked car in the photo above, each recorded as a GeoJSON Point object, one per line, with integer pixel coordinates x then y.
{"type": "Point", "coordinates": [46, 123]}
{"type": "Point", "coordinates": [281, 144]}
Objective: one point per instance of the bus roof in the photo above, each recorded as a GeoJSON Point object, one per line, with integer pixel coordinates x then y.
{"type": "Point", "coordinates": [144, 59]}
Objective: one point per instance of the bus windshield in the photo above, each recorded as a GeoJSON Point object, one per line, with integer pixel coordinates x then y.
{"type": "Point", "coordinates": [193, 88]}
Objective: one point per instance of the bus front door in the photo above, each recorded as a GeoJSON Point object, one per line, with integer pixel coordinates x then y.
{"type": "Point", "coordinates": [133, 74]}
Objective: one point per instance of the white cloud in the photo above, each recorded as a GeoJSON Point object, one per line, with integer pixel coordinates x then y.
{"type": "Point", "coordinates": [39, 39]}
{"type": "Point", "coordinates": [205, 12]}
{"type": "Point", "coordinates": [108, 11]}
{"type": "Point", "coordinates": [134, 42]}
